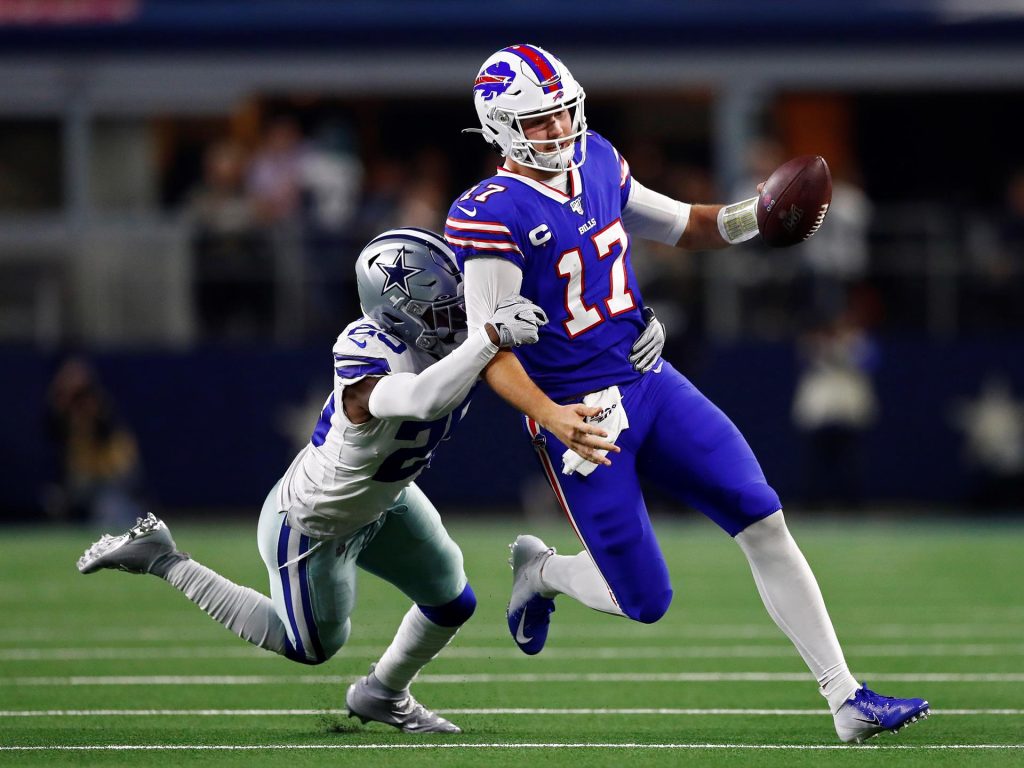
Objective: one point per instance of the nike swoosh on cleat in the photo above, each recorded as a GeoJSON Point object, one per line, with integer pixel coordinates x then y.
{"type": "Point", "coordinates": [520, 637]}
{"type": "Point", "coordinates": [468, 211]}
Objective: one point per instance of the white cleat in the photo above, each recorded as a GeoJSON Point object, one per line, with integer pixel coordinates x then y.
{"type": "Point", "coordinates": [364, 700]}
{"type": "Point", "coordinates": [135, 551]}
{"type": "Point", "coordinates": [529, 607]}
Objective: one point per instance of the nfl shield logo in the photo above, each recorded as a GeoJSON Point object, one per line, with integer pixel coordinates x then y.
{"type": "Point", "coordinates": [577, 205]}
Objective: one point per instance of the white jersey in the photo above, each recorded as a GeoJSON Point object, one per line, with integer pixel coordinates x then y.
{"type": "Point", "coordinates": [349, 474]}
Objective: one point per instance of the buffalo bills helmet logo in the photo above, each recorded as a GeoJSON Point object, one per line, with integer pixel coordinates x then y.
{"type": "Point", "coordinates": [494, 80]}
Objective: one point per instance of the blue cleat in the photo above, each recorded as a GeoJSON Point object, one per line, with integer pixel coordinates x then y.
{"type": "Point", "coordinates": [867, 714]}
{"type": "Point", "coordinates": [529, 608]}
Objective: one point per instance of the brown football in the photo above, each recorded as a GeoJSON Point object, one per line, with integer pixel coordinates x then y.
{"type": "Point", "coordinates": [794, 201]}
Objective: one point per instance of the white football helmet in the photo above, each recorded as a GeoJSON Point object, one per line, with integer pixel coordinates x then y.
{"type": "Point", "coordinates": [408, 282]}
{"type": "Point", "coordinates": [524, 81]}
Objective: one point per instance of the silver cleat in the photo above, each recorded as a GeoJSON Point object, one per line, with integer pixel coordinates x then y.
{"type": "Point", "coordinates": [403, 712]}
{"type": "Point", "coordinates": [135, 551]}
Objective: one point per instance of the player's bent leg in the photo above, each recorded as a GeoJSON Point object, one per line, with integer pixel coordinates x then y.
{"type": "Point", "coordinates": [148, 547]}
{"type": "Point", "coordinates": [699, 455]}
{"type": "Point", "coordinates": [413, 551]}
{"type": "Point", "coordinates": [312, 585]}
{"type": "Point", "coordinates": [607, 511]}
{"type": "Point", "coordinates": [577, 575]}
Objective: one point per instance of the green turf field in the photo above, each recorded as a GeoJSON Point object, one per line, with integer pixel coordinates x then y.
{"type": "Point", "coordinates": [122, 668]}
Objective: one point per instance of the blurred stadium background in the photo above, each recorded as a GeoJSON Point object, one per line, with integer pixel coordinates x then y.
{"type": "Point", "coordinates": [184, 186]}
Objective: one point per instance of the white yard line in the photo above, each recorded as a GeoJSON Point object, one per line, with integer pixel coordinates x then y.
{"type": "Point", "coordinates": [503, 745]}
{"type": "Point", "coordinates": [551, 711]}
{"type": "Point", "coordinates": [555, 677]}
{"type": "Point", "coordinates": [960, 650]}
{"type": "Point", "coordinates": [989, 629]}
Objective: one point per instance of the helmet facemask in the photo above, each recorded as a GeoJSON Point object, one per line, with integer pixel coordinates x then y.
{"type": "Point", "coordinates": [529, 152]}
{"type": "Point", "coordinates": [443, 324]}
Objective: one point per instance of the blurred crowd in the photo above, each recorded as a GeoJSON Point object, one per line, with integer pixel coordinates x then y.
{"type": "Point", "coordinates": [295, 211]}
{"type": "Point", "coordinates": [276, 227]}
{"type": "Point", "coordinates": [276, 223]}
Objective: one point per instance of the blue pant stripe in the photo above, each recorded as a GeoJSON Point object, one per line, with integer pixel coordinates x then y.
{"type": "Point", "coordinates": [307, 603]}
{"type": "Point", "coordinates": [282, 558]}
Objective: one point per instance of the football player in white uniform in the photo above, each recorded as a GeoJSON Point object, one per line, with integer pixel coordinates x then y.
{"type": "Point", "coordinates": [403, 375]}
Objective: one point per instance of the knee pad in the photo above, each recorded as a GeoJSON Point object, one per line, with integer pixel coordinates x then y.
{"type": "Point", "coordinates": [454, 613]}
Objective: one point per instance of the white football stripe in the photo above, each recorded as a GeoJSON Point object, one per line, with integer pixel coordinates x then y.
{"type": "Point", "coordinates": [510, 653]}
{"type": "Point", "coordinates": [505, 745]}
{"type": "Point", "coordinates": [987, 627]}
{"type": "Point", "coordinates": [549, 711]}
{"type": "Point", "coordinates": [485, 245]}
{"type": "Point", "coordinates": [555, 677]}
{"type": "Point", "coordinates": [479, 226]}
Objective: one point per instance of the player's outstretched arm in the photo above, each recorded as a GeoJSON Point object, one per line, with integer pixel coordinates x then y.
{"type": "Point", "coordinates": [654, 216]}
{"type": "Point", "coordinates": [702, 232]}
{"type": "Point", "coordinates": [438, 390]}
{"type": "Point", "coordinates": [487, 280]}
{"type": "Point", "coordinates": [506, 376]}
{"type": "Point", "coordinates": [789, 207]}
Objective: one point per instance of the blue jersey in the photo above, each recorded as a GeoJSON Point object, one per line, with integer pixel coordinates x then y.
{"type": "Point", "coordinates": [574, 254]}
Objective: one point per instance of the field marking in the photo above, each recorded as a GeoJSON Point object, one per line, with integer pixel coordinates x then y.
{"type": "Point", "coordinates": [962, 650]}
{"type": "Point", "coordinates": [554, 677]}
{"type": "Point", "coordinates": [464, 711]}
{"type": "Point", "coordinates": [500, 745]}
{"type": "Point", "coordinates": [989, 629]}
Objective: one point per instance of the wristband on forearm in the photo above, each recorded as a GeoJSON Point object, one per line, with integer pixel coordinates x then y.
{"type": "Point", "coordinates": [737, 223]}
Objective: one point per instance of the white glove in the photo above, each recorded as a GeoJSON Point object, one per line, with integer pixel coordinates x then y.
{"type": "Point", "coordinates": [647, 348]}
{"type": "Point", "coordinates": [517, 320]}
{"type": "Point", "coordinates": [612, 419]}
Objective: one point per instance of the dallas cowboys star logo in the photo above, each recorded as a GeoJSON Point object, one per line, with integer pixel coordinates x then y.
{"type": "Point", "coordinates": [398, 274]}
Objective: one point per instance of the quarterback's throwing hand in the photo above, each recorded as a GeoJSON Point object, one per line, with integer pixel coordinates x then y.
{"type": "Point", "coordinates": [516, 320]}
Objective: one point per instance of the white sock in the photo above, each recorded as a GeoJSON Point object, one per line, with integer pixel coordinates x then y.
{"type": "Point", "coordinates": [791, 595]}
{"type": "Point", "coordinates": [244, 611]}
{"type": "Point", "coordinates": [579, 577]}
{"type": "Point", "coordinates": [417, 641]}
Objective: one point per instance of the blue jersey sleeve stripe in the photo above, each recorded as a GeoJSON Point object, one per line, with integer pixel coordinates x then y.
{"type": "Point", "coordinates": [358, 371]}
{"type": "Point", "coordinates": [361, 359]}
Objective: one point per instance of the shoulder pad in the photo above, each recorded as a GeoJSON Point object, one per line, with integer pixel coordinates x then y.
{"type": "Point", "coordinates": [365, 349]}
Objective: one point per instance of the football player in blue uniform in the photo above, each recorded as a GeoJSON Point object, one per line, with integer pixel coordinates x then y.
{"type": "Point", "coordinates": [403, 373]}
{"type": "Point", "coordinates": [555, 223]}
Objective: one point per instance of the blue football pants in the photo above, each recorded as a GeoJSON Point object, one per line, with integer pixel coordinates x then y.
{"type": "Point", "coordinates": [681, 441]}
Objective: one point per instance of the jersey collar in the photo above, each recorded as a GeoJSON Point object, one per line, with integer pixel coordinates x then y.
{"type": "Point", "coordinates": [575, 185]}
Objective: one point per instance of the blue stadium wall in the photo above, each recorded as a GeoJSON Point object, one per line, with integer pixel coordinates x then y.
{"type": "Point", "coordinates": [209, 422]}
